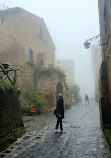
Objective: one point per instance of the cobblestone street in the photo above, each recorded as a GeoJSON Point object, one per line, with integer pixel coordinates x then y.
{"type": "Point", "coordinates": [82, 136]}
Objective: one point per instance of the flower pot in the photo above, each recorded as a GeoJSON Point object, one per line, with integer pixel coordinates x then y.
{"type": "Point", "coordinates": [33, 108]}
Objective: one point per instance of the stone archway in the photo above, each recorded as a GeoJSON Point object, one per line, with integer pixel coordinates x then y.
{"type": "Point", "coordinates": [59, 89]}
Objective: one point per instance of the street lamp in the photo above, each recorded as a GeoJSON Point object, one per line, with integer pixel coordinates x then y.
{"type": "Point", "coordinates": [87, 43]}
{"type": "Point", "coordinates": [3, 67]}
{"type": "Point", "coordinates": [6, 66]}
{"type": "Point", "coordinates": [5, 70]}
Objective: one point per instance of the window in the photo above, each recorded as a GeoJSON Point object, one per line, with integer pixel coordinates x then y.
{"type": "Point", "coordinates": [40, 59]}
{"type": "Point", "coordinates": [41, 35]}
{"type": "Point", "coordinates": [31, 55]}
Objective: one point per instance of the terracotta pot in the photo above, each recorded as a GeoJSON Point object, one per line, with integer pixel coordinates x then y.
{"type": "Point", "coordinates": [33, 108]}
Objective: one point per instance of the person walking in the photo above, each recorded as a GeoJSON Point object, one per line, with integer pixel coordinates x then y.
{"type": "Point", "coordinates": [60, 112]}
{"type": "Point", "coordinates": [86, 99]}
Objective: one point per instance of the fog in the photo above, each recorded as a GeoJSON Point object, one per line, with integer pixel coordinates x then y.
{"type": "Point", "coordinates": [70, 23]}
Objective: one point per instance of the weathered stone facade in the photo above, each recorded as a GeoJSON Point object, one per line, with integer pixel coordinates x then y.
{"type": "Point", "coordinates": [46, 82]}
{"type": "Point", "coordinates": [24, 38]}
{"type": "Point", "coordinates": [96, 63]}
{"type": "Point", "coordinates": [50, 83]}
{"type": "Point", "coordinates": [105, 72]}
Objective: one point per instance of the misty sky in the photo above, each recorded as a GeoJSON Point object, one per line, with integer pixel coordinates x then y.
{"type": "Point", "coordinates": [70, 23]}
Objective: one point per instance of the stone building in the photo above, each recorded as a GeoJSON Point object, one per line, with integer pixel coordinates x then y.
{"type": "Point", "coordinates": [105, 71]}
{"type": "Point", "coordinates": [27, 45]}
{"type": "Point", "coordinates": [24, 38]}
{"type": "Point", "coordinates": [67, 66]}
{"type": "Point", "coordinates": [96, 63]}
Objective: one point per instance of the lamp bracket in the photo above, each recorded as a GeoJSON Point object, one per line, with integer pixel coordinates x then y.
{"type": "Point", "coordinates": [93, 38]}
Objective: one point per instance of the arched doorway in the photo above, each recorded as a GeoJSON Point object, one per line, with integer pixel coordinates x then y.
{"type": "Point", "coordinates": [59, 89]}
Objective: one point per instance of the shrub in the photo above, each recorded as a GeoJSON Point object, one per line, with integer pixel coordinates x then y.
{"type": "Point", "coordinates": [38, 100]}
{"type": "Point", "coordinates": [25, 106]}
{"type": "Point", "coordinates": [107, 133]}
{"type": "Point", "coordinates": [7, 85]}
{"type": "Point", "coordinates": [61, 73]}
{"type": "Point", "coordinates": [67, 106]}
{"type": "Point", "coordinates": [74, 89]}
{"type": "Point", "coordinates": [50, 69]}
{"type": "Point", "coordinates": [32, 99]}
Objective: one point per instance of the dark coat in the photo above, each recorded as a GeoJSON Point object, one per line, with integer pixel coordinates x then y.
{"type": "Point", "coordinates": [60, 107]}
{"type": "Point", "coordinates": [86, 98]}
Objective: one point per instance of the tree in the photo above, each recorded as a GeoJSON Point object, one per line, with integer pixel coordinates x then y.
{"type": "Point", "coordinates": [74, 89]}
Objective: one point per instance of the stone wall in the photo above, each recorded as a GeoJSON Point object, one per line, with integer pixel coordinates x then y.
{"type": "Point", "coordinates": [43, 81]}
{"type": "Point", "coordinates": [105, 74]}
{"type": "Point", "coordinates": [105, 106]}
{"type": "Point", "coordinates": [96, 63]}
{"type": "Point", "coordinates": [47, 82]}
{"type": "Point", "coordinates": [25, 78]}
{"type": "Point", "coordinates": [10, 117]}
{"type": "Point", "coordinates": [13, 54]}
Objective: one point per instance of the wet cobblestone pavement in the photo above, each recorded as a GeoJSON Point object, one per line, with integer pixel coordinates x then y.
{"type": "Point", "coordinates": [82, 136]}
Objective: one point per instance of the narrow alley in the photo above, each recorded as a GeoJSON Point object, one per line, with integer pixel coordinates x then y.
{"type": "Point", "coordinates": [82, 136]}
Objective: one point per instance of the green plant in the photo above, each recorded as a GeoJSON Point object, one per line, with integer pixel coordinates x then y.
{"type": "Point", "coordinates": [107, 133]}
{"type": "Point", "coordinates": [61, 73]}
{"type": "Point", "coordinates": [30, 64]}
{"type": "Point", "coordinates": [50, 69]}
{"type": "Point", "coordinates": [74, 89]}
{"type": "Point", "coordinates": [38, 100]}
{"type": "Point", "coordinates": [32, 99]}
{"type": "Point", "coordinates": [46, 71]}
{"type": "Point", "coordinates": [25, 105]}
{"type": "Point", "coordinates": [7, 85]}
{"type": "Point", "coordinates": [67, 106]}
{"type": "Point", "coordinates": [50, 66]}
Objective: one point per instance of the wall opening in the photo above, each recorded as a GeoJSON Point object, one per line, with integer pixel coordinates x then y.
{"type": "Point", "coordinates": [59, 89]}
{"type": "Point", "coordinates": [31, 55]}
{"type": "Point", "coordinates": [40, 59]}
